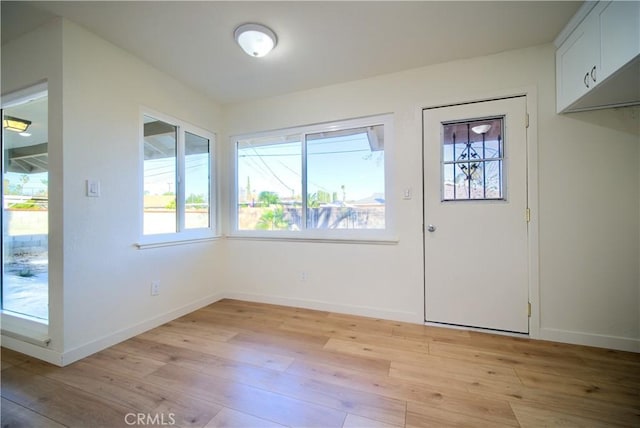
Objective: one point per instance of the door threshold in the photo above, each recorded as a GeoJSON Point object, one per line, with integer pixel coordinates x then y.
{"type": "Point", "coordinates": [477, 329]}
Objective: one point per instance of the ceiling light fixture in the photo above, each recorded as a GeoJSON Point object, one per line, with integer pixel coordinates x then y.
{"type": "Point", "coordinates": [255, 39]}
{"type": "Point", "coordinates": [15, 124]}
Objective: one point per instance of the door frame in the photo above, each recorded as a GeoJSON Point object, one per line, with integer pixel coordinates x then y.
{"type": "Point", "coordinates": [530, 94]}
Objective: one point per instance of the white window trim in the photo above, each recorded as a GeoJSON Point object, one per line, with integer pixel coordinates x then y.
{"type": "Point", "coordinates": [370, 236]}
{"type": "Point", "coordinates": [25, 328]}
{"type": "Point", "coordinates": [185, 236]}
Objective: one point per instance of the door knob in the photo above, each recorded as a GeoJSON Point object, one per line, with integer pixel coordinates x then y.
{"type": "Point", "coordinates": [431, 228]}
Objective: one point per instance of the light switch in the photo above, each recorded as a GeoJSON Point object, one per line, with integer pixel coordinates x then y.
{"type": "Point", "coordinates": [93, 188]}
{"type": "Point", "coordinates": [406, 194]}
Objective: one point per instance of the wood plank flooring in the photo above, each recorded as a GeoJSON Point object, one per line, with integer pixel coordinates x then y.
{"type": "Point", "coordinates": [240, 364]}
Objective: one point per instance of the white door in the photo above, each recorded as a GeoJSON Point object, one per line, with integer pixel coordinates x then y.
{"type": "Point", "coordinates": [475, 215]}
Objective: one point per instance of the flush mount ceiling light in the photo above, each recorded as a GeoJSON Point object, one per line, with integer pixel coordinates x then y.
{"type": "Point", "coordinates": [255, 39]}
{"type": "Point", "coordinates": [481, 129]}
{"type": "Point", "coordinates": [15, 124]}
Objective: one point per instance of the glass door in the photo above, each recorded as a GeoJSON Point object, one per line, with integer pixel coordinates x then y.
{"type": "Point", "coordinates": [25, 208]}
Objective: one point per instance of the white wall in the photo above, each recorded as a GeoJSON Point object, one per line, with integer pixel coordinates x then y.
{"type": "Point", "coordinates": [100, 285]}
{"type": "Point", "coordinates": [588, 203]}
{"type": "Point", "coordinates": [589, 232]}
{"type": "Point", "coordinates": [37, 57]}
{"type": "Point", "coordinates": [107, 280]}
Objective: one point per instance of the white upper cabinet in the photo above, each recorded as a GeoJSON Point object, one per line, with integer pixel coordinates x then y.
{"type": "Point", "coordinates": [619, 34]}
{"type": "Point", "coordinates": [576, 60]}
{"type": "Point", "coordinates": [598, 60]}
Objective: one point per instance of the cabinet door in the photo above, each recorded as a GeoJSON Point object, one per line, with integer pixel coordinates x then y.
{"type": "Point", "coordinates": [619, 35]}
{"type": "Point", "coordinates": [575, 60]}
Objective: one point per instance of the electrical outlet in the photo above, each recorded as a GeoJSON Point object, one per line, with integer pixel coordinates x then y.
{"type": "Point", "coordinates": [155, 288]}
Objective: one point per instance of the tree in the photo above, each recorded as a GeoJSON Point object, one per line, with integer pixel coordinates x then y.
{"type": "Point", "coordinates": [313, 200]}
{"type": "Point", "coordinates": [196, 201]}
{"type": "Point", "coordinates": [320, 197]}
{"type": "Point", "coordinates": [273, 220]}
{"type": "Point", "coordinates": [12, 189]}
{"type": "Point", "coordinates": [268, 198]}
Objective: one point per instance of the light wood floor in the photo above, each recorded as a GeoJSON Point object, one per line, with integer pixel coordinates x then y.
{"type": "Point", "coordinates": [253, 365]}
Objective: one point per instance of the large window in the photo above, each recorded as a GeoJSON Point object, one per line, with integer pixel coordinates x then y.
{"type": "Point", "coordinates": [177, 178]}
{"type": "Point", "coordinates": [325, 181]}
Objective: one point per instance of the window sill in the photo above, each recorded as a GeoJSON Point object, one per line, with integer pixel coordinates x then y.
{"type": "Point", "coordinates": [281, 238]}
{"type": "Point", "coordinates": [170, 242]}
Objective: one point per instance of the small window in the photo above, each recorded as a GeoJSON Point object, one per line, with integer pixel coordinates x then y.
{"type": "Point", "coordinates": [160, 167]}
{"type": "Point", "coordinates": [177, 184]}
{"type": "Point", "coordinates": [472, 160]}
{"type": "Point", "coordinates": [197, 185]}
{"type": "Point", "coordinates": [319, 181]}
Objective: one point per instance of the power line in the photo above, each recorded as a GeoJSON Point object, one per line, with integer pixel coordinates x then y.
{"type": "Point", "coordinates": [298, 154]}
{"type": "Point", "coordinates": [273, 173]}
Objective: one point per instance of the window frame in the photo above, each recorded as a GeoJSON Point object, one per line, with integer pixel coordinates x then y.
{"type": "Point", "coordinates": [182, 234]}
{"type": "Point", "coordinates": [386, 235]}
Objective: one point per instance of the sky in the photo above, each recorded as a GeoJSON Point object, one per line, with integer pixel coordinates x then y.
{"type": "Point", "coordinates": [332, 162]}
{"type": "Point", "coordinates": [160, 175]}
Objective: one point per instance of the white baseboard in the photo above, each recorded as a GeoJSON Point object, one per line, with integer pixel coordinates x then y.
{"type": "Point", "coordinates": [590, 339]}
{"type": "Point", "coordinates": [68, 357]}
{"type": "Point", "coordinates": [87, 349]}
{"type": "Point", "coordinates": [365, 311]}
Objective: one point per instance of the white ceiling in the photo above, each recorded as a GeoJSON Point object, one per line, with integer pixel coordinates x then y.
{"type": "Point", "coordinates": [319, 43]}
{"type": "Point", "coordinates": [33, 111]}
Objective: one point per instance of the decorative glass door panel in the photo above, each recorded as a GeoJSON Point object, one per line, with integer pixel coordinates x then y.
{"type": "Point", "coordinates": [472, 158]}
